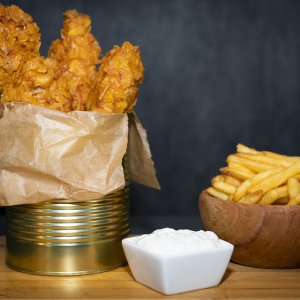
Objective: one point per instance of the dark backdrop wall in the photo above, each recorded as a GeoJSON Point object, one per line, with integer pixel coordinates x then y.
{"type": "Point", "coordinates": [217, 73]}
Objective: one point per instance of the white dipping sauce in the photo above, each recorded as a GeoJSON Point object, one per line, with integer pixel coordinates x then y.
{"type": "Point", "coordinates": [168, 241]}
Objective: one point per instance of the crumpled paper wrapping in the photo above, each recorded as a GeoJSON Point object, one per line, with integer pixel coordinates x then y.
{"type": "Point", "coordinates": [47, 154]}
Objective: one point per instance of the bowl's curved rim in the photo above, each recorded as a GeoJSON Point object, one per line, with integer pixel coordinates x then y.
{"type": "Point", "coordinates": [275, 207]}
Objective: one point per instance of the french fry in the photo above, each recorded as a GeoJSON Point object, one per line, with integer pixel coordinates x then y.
{"type": "Point", "coordinates": [250, 164]}
{"type": "Point", "coordinates": [294, 201]}
{"type": "Point", "coordinates": [227, 179]}
{"type": "Point", "coordinates": [244, 149]}
{"type": "Point", "coordinates": [292, 159]}
{"type": "Point", "coordinates": [213, 192]}
{"type": "Point", "coordinates": [266, 159]}
{"type": "Point", "coordinates": [233, 181]}
{"type": "Point", "coordinates": [293, 187]}
{"type": "Point", "coordinates": [271, 196]}
{"type": "Point", "coordinates": [261, 177]}
{"type": "Point", "coordinates": [277, 179]}
{"type": "Point", "coordinates": [243, 188]}
{"type": "Point", "coordinates": [217, 178]}
{"type": "Point", "coordinates": [251, 198]}
{"type": "Point", "coordinates": [230, 197]}
{"type": "Point", "coordinates": [239, 167]}
{"type": "Point", "coordinates": [237, 173]}
{"type": "Point", "coordinates": [224, 187]}
{"type": "Point", "coordinates": [282, 201]}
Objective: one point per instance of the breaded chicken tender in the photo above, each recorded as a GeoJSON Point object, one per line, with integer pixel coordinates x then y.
{"type": "Point", "coordinates": [25, 75]}
{"type": "Point", "coordinates": [77, 54]}
{"type": "Point", "coordinates": [120, 75]}
{"type": "Point", "coordinates": [35, 82]}
{"type": "Point", "coordinates": [67, 80]}
{"type": "Point", "coordinates": [18, 35]}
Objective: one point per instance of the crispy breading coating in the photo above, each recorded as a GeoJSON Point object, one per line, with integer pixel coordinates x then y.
{"type": "Point", "coordinates": [35, 82]}
{"type": "Point", "coordinates": [19, 29]}
{"type": "Point", "coordinates": [77, 54]}
{"type": "Point", "coordinates": [26, 76]}
{"type": "Point", "coordinates": [67, 80]}
{"type": "Point", "coordinates": [18, 35]}
{"type": "Point", "coordinates": [120, 75]}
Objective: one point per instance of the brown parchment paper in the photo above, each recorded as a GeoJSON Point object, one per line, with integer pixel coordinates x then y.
{"type": "Point", "coordinates": [141, 167]}
{"type": "Point", "coordinates": [47, 154]}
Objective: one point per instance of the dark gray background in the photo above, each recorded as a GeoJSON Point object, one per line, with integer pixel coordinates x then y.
{"type": "Point", "coordinates": [216, 73]}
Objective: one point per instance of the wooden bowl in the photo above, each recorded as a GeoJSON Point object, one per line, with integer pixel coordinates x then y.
{"type": "Point", "coordinates": [263, 236]}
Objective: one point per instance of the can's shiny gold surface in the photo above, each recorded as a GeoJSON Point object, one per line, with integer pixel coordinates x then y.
{"type": "Point", "coordinates": [68, 238]}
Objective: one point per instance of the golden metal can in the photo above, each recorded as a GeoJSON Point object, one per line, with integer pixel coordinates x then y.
{"type": "Point", "coordinates": [64, 237]}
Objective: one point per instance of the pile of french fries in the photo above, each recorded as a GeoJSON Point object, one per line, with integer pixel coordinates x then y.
{"type": "Point", "coordinates": [258, 177]}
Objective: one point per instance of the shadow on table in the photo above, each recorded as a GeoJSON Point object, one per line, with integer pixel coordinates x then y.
{"type": "Point", "coordinates": [227, 274]}
{"type": "Point", "coordinates": [2, 224]}
{"type": "Point", "coordinates": [128, 271]}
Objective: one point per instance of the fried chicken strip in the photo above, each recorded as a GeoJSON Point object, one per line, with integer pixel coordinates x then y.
{"type": "Point", "coordinates": [18, 35]}
{"type": "Point", "coordinates": [77, 54]}
{"type": "Point", "coordinates": [35, 82]}
{"type": "Point", "coordinates": [68, 79]}
{"type": "Point", "coordinates": [120, 75]}
{"type": "Point", "coordinates": [25, 75]}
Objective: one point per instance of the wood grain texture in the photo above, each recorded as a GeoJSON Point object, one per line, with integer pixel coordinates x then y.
{"type": "Point", "coordinates": [238, 282]}
{"type": "Point", "coordinates": [264, 236]}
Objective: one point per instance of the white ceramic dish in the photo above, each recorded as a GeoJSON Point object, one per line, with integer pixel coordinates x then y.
{"type": "Point", "coordinates": [177, 273]}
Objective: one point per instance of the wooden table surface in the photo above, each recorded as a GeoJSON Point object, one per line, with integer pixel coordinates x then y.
{"type": "Point", "coordinates": [238, 282]}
